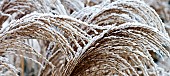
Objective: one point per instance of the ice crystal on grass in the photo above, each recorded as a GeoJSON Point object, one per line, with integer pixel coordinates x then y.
{"type": "Point", "coordinates": [82, 37]}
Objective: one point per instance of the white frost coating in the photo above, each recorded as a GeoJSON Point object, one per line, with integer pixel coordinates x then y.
{"type": "Point", "coordinates": [5, 25]}
{"type": "Point", "coordinates": [57, 16]}
{"type": "Point", "coordinates": [100, 27]}
{"type": "Point", "coordinates": [3, 14]}
{"type": "Point", "coordinates": [58, 26]}
{"type": "Point", "coordinates": [4, 59]}
{"type": "Point", "coordinates": [92, 41]}
{"type": "Point", "coordinates": [148, 27]}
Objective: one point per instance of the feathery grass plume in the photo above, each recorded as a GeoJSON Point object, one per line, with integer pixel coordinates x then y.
{"type": "Point", "coordinates": [62, 30]}
{"type": "Point", "coordinates": [123, 50]}
{"type": "Point", "coordinates": [72, 5]}
{"type": "Point", "coordinates": [90, 38]}
{"type": "Point", "coordinates": [121, 11]}
{"type": "Point", "coordinates": [162, 7]}
{"type": "Point", "coordinates": [49, 6]}
{"type": "Point", "coordinates": [14, 9]}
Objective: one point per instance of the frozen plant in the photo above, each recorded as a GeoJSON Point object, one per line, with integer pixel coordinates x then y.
{"type": "Point", "coordinates": [81, 38]}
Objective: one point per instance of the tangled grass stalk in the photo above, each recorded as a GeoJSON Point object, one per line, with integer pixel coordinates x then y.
{"type": "Point", "coordinates": [90, 38]}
